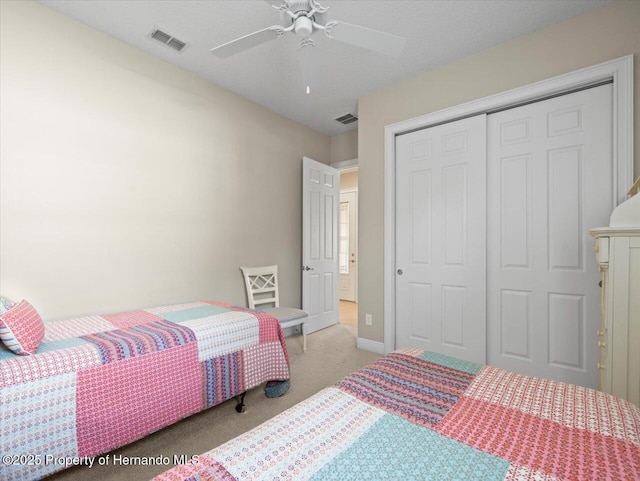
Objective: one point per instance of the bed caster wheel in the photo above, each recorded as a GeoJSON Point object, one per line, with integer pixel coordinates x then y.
{"type": "Point", "coordinates": [240, 407]}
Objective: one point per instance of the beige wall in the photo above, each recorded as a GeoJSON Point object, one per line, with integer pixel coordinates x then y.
{"type": "Point", "coordinates": [603, 34]}
{"type": "Point", "coordinates": [344, 146]}
{"type": "Point", "coordinates": [349, 180]}
{"type": "Point", "coordinates": [127, 182]}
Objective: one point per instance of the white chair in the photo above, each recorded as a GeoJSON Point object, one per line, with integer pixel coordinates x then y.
{"type": "Point", "coordinates": [262, 288]}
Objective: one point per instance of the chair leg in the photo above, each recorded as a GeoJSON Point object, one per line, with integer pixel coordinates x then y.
{"type": "Point", "coordinates": [304, 339]}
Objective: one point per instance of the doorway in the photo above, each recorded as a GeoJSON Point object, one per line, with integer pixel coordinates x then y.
{"type": "Point", "coordinates": [348, 245]}
{"type": "Point", "coordinates": [348, 248]}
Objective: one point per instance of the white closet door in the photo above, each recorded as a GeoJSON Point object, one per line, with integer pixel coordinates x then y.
{"type": "Point", "coordinates": [549, 182]}
{"type": "Point", "coordinates": [441, 239]}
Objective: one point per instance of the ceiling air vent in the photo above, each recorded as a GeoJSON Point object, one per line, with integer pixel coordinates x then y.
{"type": "Point", "coordinates": [347, 119]}
{"type": "Point", "coordinates": [168, 40]}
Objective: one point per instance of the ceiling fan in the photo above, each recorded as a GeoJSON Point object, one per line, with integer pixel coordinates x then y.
{"type": "Point", "coordinates": [306, 17]}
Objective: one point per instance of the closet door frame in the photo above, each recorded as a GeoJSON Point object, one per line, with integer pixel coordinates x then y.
{"type": "Point", "coordinates": [619, 71]}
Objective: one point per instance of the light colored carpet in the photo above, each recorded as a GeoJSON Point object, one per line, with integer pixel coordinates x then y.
{"type": "Point", "coordinates": [349, 313]}
{"type": "Point", "coordinates": [331, 355]}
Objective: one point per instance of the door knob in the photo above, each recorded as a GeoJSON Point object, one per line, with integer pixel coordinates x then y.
{"type": "Point", "coordinates": [307, 268]}
{"type": "Point", "coordinates": [400, 272]}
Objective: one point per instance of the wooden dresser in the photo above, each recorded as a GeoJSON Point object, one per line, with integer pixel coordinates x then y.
{"type": "Point", "coordinates": [617, 250]}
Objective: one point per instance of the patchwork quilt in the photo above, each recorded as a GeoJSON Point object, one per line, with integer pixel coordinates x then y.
{"type": "Point", "coordinates": [100, 382]}
{"type": "Point", "coordinates": [415, 415]}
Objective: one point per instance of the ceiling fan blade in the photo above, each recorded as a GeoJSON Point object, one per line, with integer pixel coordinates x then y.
{"type": "Point", "coordinates": [243, 43]}
{"type": "Point", "coordinates": [368, 38]}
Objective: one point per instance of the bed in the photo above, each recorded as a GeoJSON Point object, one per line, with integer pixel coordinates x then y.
{"type": "Point", "coordinates": [99, 382]}
{"type": "Point", "coordinates": [415, 415]}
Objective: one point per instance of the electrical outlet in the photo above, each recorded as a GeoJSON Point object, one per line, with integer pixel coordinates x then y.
{"type": "Point", "coordinates": [368, 319]}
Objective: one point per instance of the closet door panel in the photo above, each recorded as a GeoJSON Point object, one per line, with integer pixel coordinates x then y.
{"type": "Point", "coordinates": [549, 180]}
{"type": "Point", "coordinates": [515, 222]}
{"type": "Point", "coordinates": [441, 239]}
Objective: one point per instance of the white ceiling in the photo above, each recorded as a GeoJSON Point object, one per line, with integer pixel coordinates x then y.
{"type": "Point", "coordinates": [437, 32]}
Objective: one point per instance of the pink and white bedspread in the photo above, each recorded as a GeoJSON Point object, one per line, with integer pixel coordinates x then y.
{"type": "Point", "coordinates": [100, 382]}
{"type": "Point", "coordinates": [415, 415]}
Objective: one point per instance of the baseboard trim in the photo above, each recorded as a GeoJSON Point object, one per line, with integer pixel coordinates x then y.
{"type": "Point", "coordinates": [369, 345]}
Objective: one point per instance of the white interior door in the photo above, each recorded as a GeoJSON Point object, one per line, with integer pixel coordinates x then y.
{"type": "Point", "coordinates": [320, 200]}
{"type": "Point", "coordinates": [549, 182]}
{"type": "Point", "coordinates": [348, 244]}
{"type": "Point", "coordinates": [441, 239]}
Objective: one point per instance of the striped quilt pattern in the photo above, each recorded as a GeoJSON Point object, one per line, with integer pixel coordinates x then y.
{"type": "Point", "coordinates": [133, 341]}
{"type": "Point", "coordinates": [415, 415]}
{"type": "Point", "coordinates": [99, 382]}
{"type": "Point", "coordinates": [408, 386]}
{"type": "Point", "coordinates": [224, 378]}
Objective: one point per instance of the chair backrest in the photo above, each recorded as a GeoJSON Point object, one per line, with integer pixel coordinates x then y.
{"type": "Point", "coordinates": [262, 285]}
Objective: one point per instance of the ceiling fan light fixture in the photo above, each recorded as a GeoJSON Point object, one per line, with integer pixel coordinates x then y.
{"type": "Point", "coordinates": [303, 26]}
